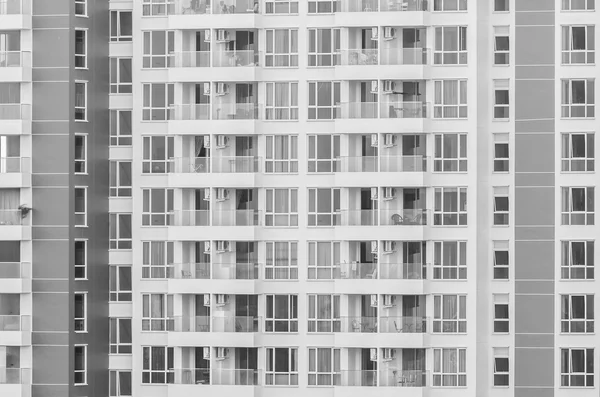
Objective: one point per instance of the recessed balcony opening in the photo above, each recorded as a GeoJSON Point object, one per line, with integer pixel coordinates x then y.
{"type": "Point", "coordinates": [10, 313]}
{"type": "Point", "coordinates": [10, 260]}
{"type": "Point", "coordinates": [10, 49]}
{"type": "Point", "coordinates": [403, 367]}
{"type": "Point", "coordinates": [403, 206]}
{"type": "Point", "coordinates": [403, 314]}
{"type": "Point", "coordinates": [403, 46]}
{"type": "Point", "coordinates": [402, 260]}
{"type": "Point", "coordinates": [10, 200]}
{"type": "Point", "coordinates": [361, 367]}
{"type": "Point", "coordinates": [361, 313]}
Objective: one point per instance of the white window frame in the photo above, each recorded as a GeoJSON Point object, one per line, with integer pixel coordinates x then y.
{"type": "Point", "coordinates": [115, 383]}
{"type": "Point", "coordinates": [501, 92]}
{"type": "Point", "coordinates": [119, 36]}
{"type": "Point", "coordinates": [80, 266]}
{"type": "Point", "coordinates": [314, 162]}
{"type": "Point", "coordinates": [157, 61]}
{"type": "Point", "coordinates": [441, 5]}
{"type": "Point", "coordinates": [79, 4]}
{"type": "Point", "coordinates": [572, 270]}
{"type": "Point", "coordinates": [273, 323]}
{"type": "Point", "coordinates": [567, 4]}
{"type": "Point", "coordinates": [81, 162]}
{"type": "Point", "coordinates": [501, 215]}
{"type": "Point", "coordinates": [317, 59]}
{"type": "Point", "coordinates": [319, 270]}
{"type": "Point", "coordinates": [583, 56]}
{"type": "Point", "coordinates": [314, 216]}
{"type": "Point", "coordinates": [161, 218]}
{"type": "Point", "coordinates": [116, 294]}
{"type": "Point", "coordinates": [505, 5]}
{"type": "Point", "coordinates": [271, 7]}
{"type": "Point", "coordinates": [453, 323]}
{"type": "Point", "coordinates": [116, 85]}
{"type": "Point", "coordinates": [316, 108]}
{"type": "Point", "coordinates": [281, 268]}
{"type": "Point", "coordinates": [500, 322]}
{"type": "Point", "coordinates": [458, 109]}
{"type": "Point", "coordinates": [157, 7]}
{"type": "Point", "coordinates": [501, 37]}
{"type": "Point", "coordinates": [81, 110]}
{"type": "Point", "coordinates": [80, 371]}
{"type": "Point", "coordinates": [80, 216]}
{"type": "Point", "coordinates": [152, 113]}
{"type": "Point", "coordinates": [80, 322]}
{"type": "Point", "coordinates": [569, 163]}
{"type": "Point", "coordinates": [116, 345]}
{"type": "Point", "coordinates": [501, 270]}
{"type": "Point", "coordinates": [501, 164]}
{"type": "Point", "coordinates": [275, 111]}
{"type": "Point", "coordinates": [167, 373]}
{"type": "Point", "coordinates": [117, 242]}
{"type": "Point", "coordinates": [150, 165]}
{"type": "Point", "coordinates": [460, 215]}
{"type": "Point", "coordinates": [570, 109]}
{"type": "Point", "coordinates": [277, 162]}
{"type": "Point", "coordinates": [157, 270]}
{"type": "Point", "coordinates": [450, 164]}
{"type": "Point", "coordinates": [314, 6]}
{"type": "Point", "coordinates": [161, 323]}
{"type": "Point", "coordinates": [441, 56]}
{"type": "Point", "coordinates": [275, 378]}
{"type": "Point", "coordinates": [457, 268]}
{"type": "Point", "coordinates": [456, 377]}
{"type": "Point", "coordinates": [315, 374]}
{"type": "Point", "coordinates": [570, 324]}
{"type": "Point", "coordinates": [115, 168]}
{"type": "Point", "coordinates": [275, 59]}
{"type": "Point", "coordinates": [571, 217]}
{"type": "Point", "coordinates": [501, 367]}
{"type": "Point", "coordinates": [81, 56]}
{"type": "Point", "coordinates": [567, 376]}
{"type": "Point", "coordinates": [117, 136]}
{"type": "Point", "coordinates": [273, 218]}
{"type": "Point", "coordinates": [317, 324]}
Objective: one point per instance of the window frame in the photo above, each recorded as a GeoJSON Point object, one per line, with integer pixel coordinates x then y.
{"type": "Point", "coordinates": [116, 85]}
{"type": "Point", "coordinates": [501, 164]}
{"type": "Point", "coordinates": [116, 294]}
{"type": "Point", "coordinates": [568, 107]}
{"type": "Point", "coordinates": [501, 110]}
{"type": "Point", "coordinates": [316, 374]}
{"type": "Point", "coordinates": [461, 213]}
{"type": "Point", "coordinates": [116, 189]}
{"type": "Point", "coordinates": [78, 6]}
{"type": "Point", "coordinates": [118, 36]}
{"type": "Point", "coordinates": [499, 268]}
{"type": "Point", "coordinates": [577, 325]}
{"type": "Point", "coordinates": [116, 345]}
{"type": "Point", "coordinates": [457, 110]}
{"type": "Point", "coordinates": [77, 265]}
{"type": "Point", "coordinates": [80, 162]}
{"type": "Point", "coordinates": [316, 216]}
{"type": "Point", "coordinates": [588, 54]}
{"type": "Point", "coordinates": [316, 267]}
{"type": "Point", "coordinates": [566, 369]}
{"type": "Point", "coordinates": [444, 164]}
{"type": "Point", "coordinates": [273, 269]}
{"type": "Point", "coordinates": [114, 376]}
{"type": "Point", "coordinates": [151, 270]}
{"type": "Point", "coordinates": [152, 5]}
{"type": "Point", "coordinates": [441, 56]}
{"type": "Point", "coordinates": [316, 58]}
{"type": "Point", "coordinates": [501, 314]}
{"type": "Point", "coordinates": [272, 375]}
{"type": "Point", "coordinates": [273, 163]}
{"type": "Point", "coordinates": [501, 56]}
{"type": "Point", "coordinates": [290, 218]}
{"type": "Point", "coordinates": [162, 323]}
{"type": "Point", "coordinates": [149, 58]}
{"type": "Point", "coordinates": [273, 58]}
{"type": "Point", "coordinates": [587, 5]}
{"type": "Point", "coordinates": [158, 165]}
{"type": "Point", "coordinates": [290, 322]}
{"type": "Point", "coordinates": [161, 218]}
{"type": "Point", "coordinates": [152, 113]}
{"type": "Point", "coordinates": [439, 376]}
{"type": "Point", "coordinates": [501, 215]}
{"type": "Point", "coordinates": [314, 110]}
{"type": "Point", "coordinates": [273, 7]}
{"type": "Point", "coordinates": [461, 5]}
{"type": "Point", "coordinates": [81, 110]}
{"type": "Point", "coordinates": [314, 5]}
{"type": "Point", "coordinates": [567, 155]}
{"type": "Point", "coordinates": [501, 375]}
{"type": "Point", "coordinates": [569, 216]}
{"type": "Point", "coordinates": [81, 215]}
{"type": "Point", "coordinates": [315, 323]}
{"type": "Point", "coordinates": [81, 56]}
{"type": "Point", "coordinates": [315, 161]}
{"type": "Point", "coordinates": [572, 270]}
{"type": "Point", "coordinates": [275, 112]}
{"type": "Point", "coordinates": [117, 136]}
{"type": "Point", "coordinates": [80, 321]}
{"type": "Point", "coordinates": [80, 371]}
{"type": "Point", "coordinates": [152, 375]}
{"type": "Point", "coordinates": [451, 271]}
{"type": "Point", "coordinates": [116, 242]}
{"type": "Point", "coordinates": [457, 323]}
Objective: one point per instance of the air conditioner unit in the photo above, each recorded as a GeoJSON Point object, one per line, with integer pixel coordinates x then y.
{"type": "Point", "coordinates": [206, 194]}
{"type": "Point", "coordinates": [374, 33]}
{"type": "Point", "coordinates": [389, 247]}
{"type": "Point", "coordinates": [374, 140]}
{"type": "Point", "coordinates": [222, 36]}
{"type": "Point", "coordinates": [222, 194]}
{"type": "Point", "coordinates": [206, 353]}
{"type": "Point", "coordinates": [207, 36]}
{"type": "Point", "coordinates": [373, 300]}
{"type": "Point", "coordinates": [373, 354]}
{"type": "Point", "coordinates": [373, 247]}
{"type": "Point", "coordinates": [389, 193]}
{"type": "Point", "coordinates": [207, 300]}
{"type": "Point", "coordinates": [206, 88]}
{"type": "Point", "coordinates": [389, 140]}
{"type": "Point", "coordinates": [389, 354]}
{"type": "Point", "coordinates": [221, 300]}
{"type": "Point", "coordinates": [207, 141]}
{"type": "Point", "coordinates": [222, 246]}
{"type": "Point", "coordinates": [222, 141]}
{"type": "Point", "coordinates": [389, 33]}
{"type": "Point", "coordinates": [207, 247]}
{"type": "Point", "coordinates": [222, 89]}
{"type": "Point", "coordinates": [222, 353]}
{"type": "Point", "coordinates": [389, 86]}
{"type": "Point", "coordinates": [389, 300]}
{"type": "Point", "coordinates": [374, 194]}
{"type": "Point", "coordinates": [374, 87]}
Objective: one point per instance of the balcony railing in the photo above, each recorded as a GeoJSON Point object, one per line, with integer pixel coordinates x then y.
{"type": "Point", "coordinates": [357, 164]}
{"type": "Point", "coordinates": [403, 110]}
{"type": "Point", "coordinates": [15, 270]}
{"type": "Point", "coordinates": [235, 111]}
{"type": "Point", "coordinates": [14, 164]}
{"type": "Point", "coordinates": [359, 324]}
{"type": "Point", "coordinates": [192, 376]}
{"type": "Point", "coordinates": [189, 59]}
{"type": "Point", "coordinates": [15, 323]}
{"type": "Point", "coordinates": [359, 378]}
{"type": "Point", "coordinates": [15, 376]}
{"type": "Point", "coordinates": [14, 7]}
{"type": "Point", "coordinates": [236, 271]}
{"type": "Point", "coordinates": [186, 112]}
{"type": "Point", "coordinates": [235, 58]}
{"type": "Point", "coordinates": [407, 163]}
{"type": "Point", "coordinates": [236, 164]}
{"type": "Point", "coordinates": [190, 218]}
{"type": "Point", "coordinates": [358, 57]}
{"type": "Point", "coordinates": [236, 324]}
{"type": "Point", "coordinates": [358, 5]}
{"type": "Point", "coordinates": [404, 56]}
{"type": "Point", "coordinates": [357, 110]}
{"type": "Point", "coordinates": [15, 58]}
{"type": "Point", "coordinates": [403, 271]}
{"type": "Point", "coordinates": [10, 218]}
{"type": "Point", "coordinates": [15, 111]}
{"type": "Point", "coordinates": [404, 217]}
{"type": "Point", "coordinates": [359, 218]}
{"type": "Point", "coordinates": [188, 271]}
{"type": "Point", "coordinates": [403, 378]}
{"type": "Point", "coordinates": [189, 165]}
{"type": "Point", "coordinates": [235, 377]}
{"type": "Point", "coordinates": [236, 218]}
{"type": "Point", "coordinates": [404, 5]}
{"type": "Point", "coordinates": [403, 325]}
{"type": "Point", "coordinates": [235, 7]}
{"type": "Point", "coordinates": [190, 323]}
{"type": "Point", "coordinates": [355, 271]}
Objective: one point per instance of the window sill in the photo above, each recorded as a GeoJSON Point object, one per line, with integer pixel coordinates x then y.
{"type": "Point", "coordinates": [82, 68]}
{"type": "Point", "coordinates": [81, 226]}
{"type": "Point", "coordinates": [81, 279]}
{"type": "Point", "coordinates": [501, 120]}
{"type": "Point", "coordinates": [578, 64]}
{"type": "Point", "coordinates": [80, 173]}
{"type": "Point", "coordinates": [81, 332]}
{"type": "Point", "coordinates": [79, 384]}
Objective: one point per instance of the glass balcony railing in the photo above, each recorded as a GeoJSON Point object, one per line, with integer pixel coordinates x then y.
{"type": "Point", "coordinates": [236, 218]}
{"type": "Point", "coordinates": [358, 57]}
{"type": "Point", "coordinates": [187, 112]}
{"type": "Point", "coordinates": [358, 5]}
{"type": "Point", "coordinates": [404, 56]}
{"type": "Point", "coordinates": [236, 164]}
{"type": "Point", "coordinates": [404, 5]}
{"type": "Point", "coordinates": [198, 271]}
{"type": "Point", "coordinates": [192, 376]}
{"type": "Point", "coordinates": [403, 110]}
{"type": "Point", "coordinates": [189, 218]}
{"type": "Point", "coordinates": [235, 58]}
{"type": "Point", "coordinates": [405, 325]}
{"type": "Point", "coordinates": [189, 165]}
{"type": "Point", "coordinates": [15, 58]}
{"type": "Point", "coordinates": [15, 376]}
{"type": "Point", "coordinates": [359, 218]}
{"type": "Point", "coordinates": [235, 377]}
{"type": "Point", "coordinates": [359, 324]}
{"type": "Point", "coordinates": [403, 271]}
{"type": "Point", "coordinates": [406, 163]}
{"type": "Point", "coordinates": [15, 111]}
{"type": "Point", "coordinates": [357, 164]}
{"type": "Point", "coordinates": [189, 59]}
{"type": "Point", "coordinates": [364, 378]}
{"type": "Point", "coordinates": [12, 270]}
{"type": "Point", "coordinates": [404, 217]}
{"type": "Point", "coordinates": [15, 7]}
{"type": "Point", "coordinates": [11, 218]}
{"type": "Point", "coordinates": [235, 111]}
{"type": "Point", "coordinates": [403, 378]}
{"type": "Point", "coordinates": [357, 110]}
{"type": "Point", "coordinates": [355, 271]}
{"type": "Point", "coordinates": [190, 323]}
{"type": "Point", "coordinates": [15, 323]}
{"type": "Point", "coordinates": [236, 7]}
{"type": "Point", "coordinates": [236, 271]}
{"type": "Point", "coordinates": [236, 324]}
{"type": "Point", "coordinates": [14, 164]}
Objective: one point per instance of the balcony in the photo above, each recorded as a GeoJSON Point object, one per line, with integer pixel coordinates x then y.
{"type": "Point", "coordinates": [362, 378]}
{"type": "Point", "coordinates": [236, 164]}
{"type": "Point", "coordinates": [236, 218]}
{"type": "Point", "coordinates": [15, 118]}
{"type": "Point", "coordinates": [358, 57]}
{"type": "Point", "coordinates": [403, 378]}
{"type": "Point", "coordinates": [189, 271]}
{"type": "Point", "coordinates": [385, 110]}
{"type": "Point", "coordinates": [9, 12]}
{"type": "Point", "coordinates": [14, 172]}
{"type": "Point", "coordinates": [404, 56]}
{"type": "Point", "coordinates": [15, 66]}
{"type": "Point", "coordinates": [235, 58]}
{"type": "Point", "coordinates": [235, 111]}
{"type": "Point", "coordinates": [359, 218]}
{"type": "Point", "coordinates": [400, 163]}
{"type": "Point", "coordinates": [191, 323]}
{"type": "Point", "coordinates": [404, 217]}
{"type": "Point", "coordinates": [381, 5]}
{"type": "Point", "coordinates": [14, 376]}
{"type": "Point", "coordinates": [359, 324]}
{"type": "Point", "coordinates": [236, 271]}
{"type": "Point", "coordinates": [203, 7]}
{"type": "Point", "coordinates": [15, 277]}
{"type": "Point", "coordinates": [355, 271]}
{"type": "Point", "coordinates": [236, 324]}
{"type": "Point", "coordinates": [189, 59]}
{"type": "Point", "coordinates": [403, 324]}
{"type": "Point", "coordinates": [220, 377]}
{"type": "Point", "coordinates": [403, 271]}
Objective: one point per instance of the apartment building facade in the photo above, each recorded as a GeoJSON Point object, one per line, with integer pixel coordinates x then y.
{"type": "Point", "coordinates": [330, 197]}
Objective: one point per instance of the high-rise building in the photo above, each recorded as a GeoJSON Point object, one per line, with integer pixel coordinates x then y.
{"type": "Point", "coordinates": [334, 197]}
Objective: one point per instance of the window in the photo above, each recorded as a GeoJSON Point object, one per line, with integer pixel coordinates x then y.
{"type": "Point", "coordinates": [157, 365]}
{"type": "Point", "coordinates": [282, 366]}
{"type": "Point", "coordinates": [120, 76]}
{"type": "Point", "coordinates": [450, 207]}
{"type": "Point", "coordinates": [577, 205]}
{"type": "Point", "coordinates": [501, 260]}
{"type": "Point", "coordinates": [450, 367]}
{"type": "Point", "coordinates": [120, 178]}
{"type": "Point", "coordinates": [450, 45]}
{"type": "Point", "coordinates": [282, 101]}
{"type": "Point", "coordinates": [157, 309]}
{"type": "Point", "coordinates": [120, 336]}
{"type": "Point", "coordinates": [80, 259]}
{"type": "Point", "coordinates": [323, 207]}
{"type": "Point", "coordinates": [501, 214]}
{"type": "Point", "coordinates": [158, 98]}
{"type": "Point", "coordinates": [281, 7]}
{"type": "Point", "coordinates": [157, 7]}
{"type": "Point", "coordinates": [121, 25]}
{"type": "Point", "coordinates": [120, 127]}
{"type": "Point", "coordinates": [80, 101]}
{"type": "Point", "coordinates": [119, 231]}
{"type": "Point", "coordinates": [501, 368]}
{"type": "Point", "coordinates": [577, 98]}
{"type": "Point", "coordinates": [324, 313]}
{"type": "Point", "coordinates": [157, 206]}
{"type": "Point", "coordinates": [577, 260]}
{"type": "Point", "coordinates": [450, 260]}
{"type": "Point", "coordinates": [323, 99]}
{"type": "Point", "coordinates": [80, 206]}
{"type": "Point", "coordinates": [578, 152]}
{"type": "Point", "coordinates": [80, 48]}
{"type": "Point", "coordinates": [577, 367]}
{"type": "Point", "coordinates": [281, 207]}
{"type": "Point", "coordinates": [323, 259]}
{"type": "Point", "coordinates": [450, 313]}
{"type": "Point", "coordinates": [501, 153]}
{"type": "Point", "coordinates": [450, 99]}
{"type": "Point", "coordinates": [324, 366]}
{"type": "Point", "coordinates": [577, 313]}
{"type": "Point", "coordinates": [501, 44]}
{"type": "Point", "coordinates": [323, 47]}
{"type": "Point", "coordinates": [281, 154]}
{"type": "Point", "coordinates": [158, 150]}
{"type": "Point", "coordinates": [450, 153]}
{"type": "Point", "coordinates": [81, 8]}
{"type": "Point", "coordinates": [80, 311]}
{"type": "Point", "coordinates": [322, 6]}
{"type": "Point", "coordinates": [501, 100]}
{"type": "Point", "coordinates": [157, 257]}
{"type": "Point", "coordinates": [281, 313]}
{"type": "Point", "coordinates": [80, 365]}
{"type": "Point", "coordinates": [450, 5]}
{"type": "Point", "coordinates": [80, 153]}
{"type": "Point", "coordinates": [501, 319]}
{"type": "Point", "coordinates": [158, 45]}
{"type": "Point", "coordinates": [119, 384]}
{"type": "Point", "coordinates": [323, 152]}
{"type": "Point", "coordinates": [578, 5]}
{"type": "Point", "coordinates": [120, 283]}
{"type": "Point", "coordinates": [501, 5]}
{"type": "Point", "coordinates": [578, 45]}
{"type": "Point", "coordinates": [281, 260]}
{"type": "Point", "coordinates": [282, 48]}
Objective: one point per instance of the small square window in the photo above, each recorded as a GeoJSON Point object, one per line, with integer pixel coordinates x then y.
{"type": "Point", "coordinates": [501, 5]}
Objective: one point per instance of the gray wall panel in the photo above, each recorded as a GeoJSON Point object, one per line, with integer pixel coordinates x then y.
{"type": "Point", "coordinates": [534, 314]}
{"type": "Point", "coordinates": [540, 254]}
{"type": "Point", "coordinates": [47, 357]}
{"type": "Point", "coordinates": [534, 99]}
{"type": "Point", "coordinates": [534, 206]}
{"type": "Point", "coordinates": [534, 367]}
{"type": "Point", "coordinates": [541, 144]}
{"type": "Point", "coordinates": [534, 5]}
{"type": "Point", "coordinates": [51, 48]}
{"type": "Point", "coordinates": [51, 312]}
{"type": "Point", "coordinates": [532, 46]}
{"type": "Point", "coordinates": [57, 158]}
{"type": "Point", "coordinates": [51, 206]}
{"type": "Point", "coordinates": [51, 109]}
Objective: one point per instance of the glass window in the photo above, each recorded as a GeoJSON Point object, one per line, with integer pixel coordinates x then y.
{"type": "Point", "coordinates": [281, 154]}
{"type": "Point", "coordinates": [157, 365]}
{"type": "Point", "coordinates": [501, 319]}
{"type": "Point", "coordinates": [157, 258]}
{"type": "Point", "coordinates": [81, 8]}
{"type": "Point", "coordinates": [80, 48]}
{"type": "Point", "coordinates": [281, 207]}
{"type": "Point", "coordinates": [120, 231]}
{"type": "Point", "coordinates": [450, 367]}
{"type": "Point", "coordinates": [80, 259]}
{"type": "Point", "coordinates": [450, 45]}
{"type": "Point", "coordinates": [501, 260]}
{"type": "Point", "coordinates": [121, 25]}
{"type": "Point", "coordinates": [120, 127]}
{"type": "Point", "coordinates": [577, 260]}
{"type": "Point", "coordinates": [450, 260]}
{"type": "Point", "coordinates": [577, 313]}
{"type": "Point", "coordinates": [281, 313]}
{"type": "Point", "coordinates": [80, 157]}
{"type": "Point", "coordinates": [120, 283]}
{"type": "Point", "coordinates": [450, 313]}
{"type": "Point", "coordinates": [449, 5]}
{"type": "Point", "coordinates": [281, 260]}
{"type": "Point", "coordinates": [323, 207]}
{"type": "Point", "coordinates": [501, 367]}
{"type": "Point", "coordinates": [501, 153]}
{"type": "Point", "coordinates": [119, 383]}
{"type": "Point", "coordinates": [120, 76]}
{"type": "Point", "coordinates": [80, 312]}
{"type": "Point", "coordinates": [81, 101]}
{"type": "Point", "coordinates": [157, 152]}
{"type": "Point", "coordinates": [281, 101]}
{"type": "Point", "coordinates": [157, 206]}
{"type": "Point", "coordinates": [158, 46]}
{"type": "Point", "coordinates": [450, 99]}
{"type": "Point", "coordinates": [80, 206]}
{"type": "Point", "coordinates": [282, 48]}
{"type": "Point", "coordinates": [501, 44]}
{"type": "Point", "coordinates": [501, 5]}
{"type": "Point", "coordinates": [323, 47]}
{"type": "Point", "coordinates": [281, 7]}
{"type": "Point", "coordinates": [450, 153]}
{"type": "Point", "coordinates": [578, 5]}
{"type": "Point", "coordinates": [120, 336]}
{"type": "Point", "coordinates": [322, 6]}
{"type": "Point", "coordinates": [323, 153]}
{"type": "Point", "coordinates": [577, 99]}
{"type": "Point", "coordinates": [501, 207]}
{"type": "Point", "coordinates": [80, 365]}
{"type": "Point", "coordinates": [324, 313]}
{"type": "Point", "coordinates": [578, 152]}
{"type": "Point", "coordinates": [120, 178]}
{"type": "Point", "coordinates": [158, 7]}
{"type": "Point", "coordinates": [323, 259]}
{"type": "Point", "coordinates": [157, 312]}
{"type": "Point", "coordinates": [450, 206]}
{"type": "Point", "coordinates": [157, 99]}
{"type": "Point", "coordinates": [282, 366]}
{"type": "Point", "coordinates": [577, 367]}
{"type": "Point", "coordinates": [577, 205]}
